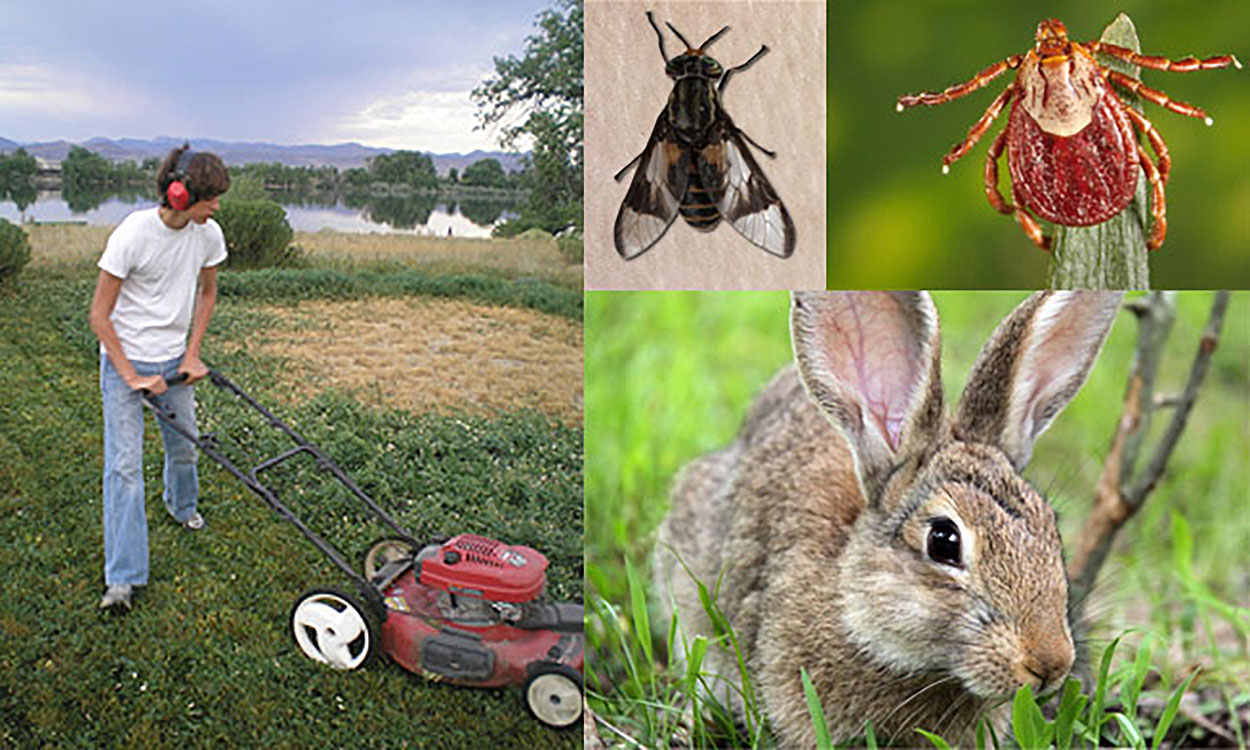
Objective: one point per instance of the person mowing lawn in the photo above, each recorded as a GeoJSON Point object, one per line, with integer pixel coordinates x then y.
{"type": "Point", "coordinates": [158, 279]}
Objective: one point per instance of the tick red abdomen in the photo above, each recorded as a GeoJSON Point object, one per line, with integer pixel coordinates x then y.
{"type": "Point", "coordinates": [1079, 180]}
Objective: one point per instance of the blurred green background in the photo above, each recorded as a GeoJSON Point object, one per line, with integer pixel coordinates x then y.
{"type": "Point", "coordinates": [896, 222]}
{"type": "Point", "coordinates": [670, 376]}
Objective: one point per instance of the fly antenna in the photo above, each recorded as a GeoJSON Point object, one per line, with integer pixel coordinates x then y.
{"type": "Point", "coordinates": [658, 35]}
{"type": "Point", "coordinates": [678, 33]}
{"type": "Point", "coordinates": [713, 38]}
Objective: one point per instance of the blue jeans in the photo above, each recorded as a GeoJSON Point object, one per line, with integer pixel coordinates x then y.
{"type": "Point", "coordinates": [125, 522]}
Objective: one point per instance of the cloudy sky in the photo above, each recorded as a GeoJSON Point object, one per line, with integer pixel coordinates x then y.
{"type": "Point", "coordinates": [393, 74]}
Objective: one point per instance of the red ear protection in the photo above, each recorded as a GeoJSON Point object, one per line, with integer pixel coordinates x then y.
{"type": "Point", "coordinates": [179, 193]}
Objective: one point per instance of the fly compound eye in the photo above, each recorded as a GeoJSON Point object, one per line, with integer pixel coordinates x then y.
{"type": "Point", "coordinates": [943, 542]}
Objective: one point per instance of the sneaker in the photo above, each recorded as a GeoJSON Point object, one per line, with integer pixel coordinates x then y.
{"type": "Point", "coordinates": [117, 594]}
{"type": "Point", "coordinates": [194, 523]}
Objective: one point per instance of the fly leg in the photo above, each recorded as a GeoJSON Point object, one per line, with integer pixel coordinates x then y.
{"type": "Point", "coordinates": [729, 73]}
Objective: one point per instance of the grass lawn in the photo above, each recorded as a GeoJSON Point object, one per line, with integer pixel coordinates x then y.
{"type": "Point", "coordinates": [671, 377]}
{"type": "Point", "coordinates": [205, 658]}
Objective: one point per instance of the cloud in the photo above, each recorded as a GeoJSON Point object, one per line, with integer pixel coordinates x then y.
{"type": "Point", "coordinates": [43, 91]}
{"type": "Point", "coordinates": [424, 120]}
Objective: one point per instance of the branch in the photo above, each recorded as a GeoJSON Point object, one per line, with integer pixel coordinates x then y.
{"type": "Point", "coordinates": [1111, 255]}
{"type": "Point", "coordinates": [1119, 494]}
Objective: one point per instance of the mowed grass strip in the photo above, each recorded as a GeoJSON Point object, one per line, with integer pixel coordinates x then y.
{"type": "Point", "coordinates": [205, 658]}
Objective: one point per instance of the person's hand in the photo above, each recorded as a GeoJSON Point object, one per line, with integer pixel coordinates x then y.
{"type": "Point", "coordinates": [194, 368]}
{"type": "Point", "coordinates": [153, 384]}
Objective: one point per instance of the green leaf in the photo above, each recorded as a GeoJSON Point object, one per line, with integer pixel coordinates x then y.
{"type": "Point", "coordinates": [1030, 726]}
{"type": "Point", "coordinates": [937, 741]}
{"type": "Point", "coordinates": [1070, 707]}
{"type": "Point", "coordinates": [694, 660]}
{"type": "Point", "coordinates": [1182, 547]}
{"type": "Point", "coordinates": [870, 736]}
{"type": "Point", "coordinates": [819, 726]}
{"type": "Point", "coordinates": [1169, 711]}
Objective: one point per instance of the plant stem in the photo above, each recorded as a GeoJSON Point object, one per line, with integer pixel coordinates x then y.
{"type": "Point", "coordinates": [1111, 255]}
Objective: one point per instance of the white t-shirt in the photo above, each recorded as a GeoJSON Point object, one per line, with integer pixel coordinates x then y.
{"type": "Point", "coordinates": [159, 268]}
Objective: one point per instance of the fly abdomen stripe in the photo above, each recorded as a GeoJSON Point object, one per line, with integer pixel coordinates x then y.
{"type": "Point", "coordinates": [698, 204]}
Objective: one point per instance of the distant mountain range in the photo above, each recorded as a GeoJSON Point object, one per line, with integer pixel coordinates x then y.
{"type": "Point", "coordinates": [341, 155]}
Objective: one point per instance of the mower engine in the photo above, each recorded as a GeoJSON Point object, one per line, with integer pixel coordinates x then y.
{"type": "Point", "coordinates": [472, 611]}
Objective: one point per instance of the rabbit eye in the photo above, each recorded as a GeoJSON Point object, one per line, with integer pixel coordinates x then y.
{"type": "Point", "coordinates": [944, 542]}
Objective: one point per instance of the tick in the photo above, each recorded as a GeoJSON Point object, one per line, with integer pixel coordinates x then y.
{"type": "Point", "coordinates": [1071, 142]}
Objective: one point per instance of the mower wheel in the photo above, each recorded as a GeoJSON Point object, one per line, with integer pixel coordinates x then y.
{"type": "Point", "coordinates": [334, 628]}
{"type": "Point", "coordinates": [387, 550]}
{"type": "Point", "coordinates": [553, 694]}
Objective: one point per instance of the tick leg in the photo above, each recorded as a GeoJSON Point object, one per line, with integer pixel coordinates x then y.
{"type": "Point", "coordinates": [1000, 204]}
{"type": "Point", "coordinates": [1158, 202]}
{"type": "Point", "coordinates": [981, 80]}
{"type": "Point", "coordinates": [978, 130]}
{"type": "Point", "coordinates": [1188, 65]}
{"type": "Point", "coordinates": [1156, 142]}
{"type": "Point", "coordinates": [1156, 96]}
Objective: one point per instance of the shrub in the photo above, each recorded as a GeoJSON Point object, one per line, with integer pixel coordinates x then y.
{"type": "Point", "coordinates": [14, 249]}
{"type": "Point", "coordinates": [570, 244]}
{"type": "Point", "coordinates": [257, 233]}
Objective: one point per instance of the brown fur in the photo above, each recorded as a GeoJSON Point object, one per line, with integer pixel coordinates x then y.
{"type": "Point", "coordinates": [825, 568]}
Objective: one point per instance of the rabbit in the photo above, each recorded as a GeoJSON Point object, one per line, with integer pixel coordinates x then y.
{"type": "Point", "coordinates": [853, 529]}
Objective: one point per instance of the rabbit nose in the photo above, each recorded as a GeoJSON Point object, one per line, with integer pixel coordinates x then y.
{"type": "Point", "coordinates": [1050, 663]}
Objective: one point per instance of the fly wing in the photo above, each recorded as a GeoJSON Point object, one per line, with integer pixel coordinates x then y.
{"type": "Point", "coordinates": [651, 203]}
{"type": "Point", "coordinates": [749, 202]}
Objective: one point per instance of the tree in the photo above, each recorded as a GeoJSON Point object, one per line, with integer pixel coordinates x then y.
{"type": "Point", "coordinates": [405, 167]}
{"type": "Point", "coordinates": [546, 83]}
{"type": "Point", "coordinates": [453, 176]}
{"type": "Point", "coordinates": [82, 168]}
{"type": "Point", "coordinates": [484, 173]}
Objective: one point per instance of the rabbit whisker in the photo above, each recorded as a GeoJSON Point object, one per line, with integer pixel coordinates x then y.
{"type": "Point", "coordinates": [945, 679]}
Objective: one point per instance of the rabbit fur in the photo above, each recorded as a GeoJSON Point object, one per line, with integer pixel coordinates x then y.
{"type": "Point", "coordinates": [816, 526]}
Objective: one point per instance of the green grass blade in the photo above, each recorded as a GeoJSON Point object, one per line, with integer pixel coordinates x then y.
{"type": "Point", "coordinates": [638, 606]}
{"type": "Point", "coordinates": [1129, 732]}
{"type": "Point", "coordinates": [870, 736]}
{"type": "Point", "coordinates": [1169, 711]}
{"type": "Point", "coordinates": [1096, 716]}
{"type": "Point", "coordinates": [937, 741]}
{"type": "Point", "coordinates": [1135, 679]}
{"type": "Point", "coordinates": [819, 726]}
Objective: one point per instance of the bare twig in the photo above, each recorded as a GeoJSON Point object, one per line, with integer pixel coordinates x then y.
{"type": "Point", "coordinates": [1120, 492]}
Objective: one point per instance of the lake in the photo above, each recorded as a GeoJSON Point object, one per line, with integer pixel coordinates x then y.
{"type": "Point", "coordinates": [463, 216]}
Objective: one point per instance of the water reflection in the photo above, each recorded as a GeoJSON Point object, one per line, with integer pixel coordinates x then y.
{"type": "Point", "coordinates": [459, 215]}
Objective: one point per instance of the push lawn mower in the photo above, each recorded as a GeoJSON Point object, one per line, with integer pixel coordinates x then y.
{"type": "Point", "coordinates": [467, 610]}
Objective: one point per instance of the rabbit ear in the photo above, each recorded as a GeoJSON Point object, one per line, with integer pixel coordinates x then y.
{"type": "Point", "coordinates": [870, 361]}
{"type": "Point", "coordinates": [1031, 367]}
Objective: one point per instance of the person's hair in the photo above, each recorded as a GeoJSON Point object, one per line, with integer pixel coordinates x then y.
{"type": "Point", "coordinates": [206, 175]}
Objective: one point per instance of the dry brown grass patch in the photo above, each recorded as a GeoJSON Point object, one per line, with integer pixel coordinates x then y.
{"type": "Point", "coordinates": [430, 355]}
{"type": "Point", "coordinates": [523, 257]}
{"type": "Point", "coordinates": [57, 244]}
